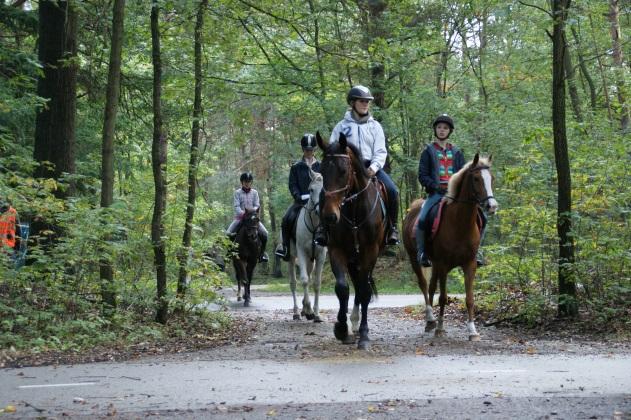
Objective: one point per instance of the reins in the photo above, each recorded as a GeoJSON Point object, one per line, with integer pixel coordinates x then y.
{"type": "Point", "coordinates": [349, 199]}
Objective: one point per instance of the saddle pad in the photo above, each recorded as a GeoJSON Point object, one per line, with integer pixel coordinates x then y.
{"type": "Point", "coordinates": [434, 217]}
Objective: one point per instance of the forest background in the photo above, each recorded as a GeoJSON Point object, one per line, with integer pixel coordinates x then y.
{"type": "Point", "coordinates": [207, 90]}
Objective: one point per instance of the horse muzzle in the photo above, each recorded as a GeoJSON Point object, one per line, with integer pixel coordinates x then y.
{"type": "Point", "coordinates": [491, 206]}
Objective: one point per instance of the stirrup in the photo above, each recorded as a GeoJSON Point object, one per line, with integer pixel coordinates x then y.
{"type": "Point", "coordinates": [263, 258]}
{"type": "Point", "coordinates": [423, 260]}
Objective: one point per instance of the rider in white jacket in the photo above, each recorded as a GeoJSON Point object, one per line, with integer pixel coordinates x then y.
{"type": "Point", "coordinates": [364, 132]}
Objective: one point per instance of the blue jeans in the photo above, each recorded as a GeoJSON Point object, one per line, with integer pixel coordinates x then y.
{"type": "Point", "coordinates": [429, 203]}
{"type": "Point", "coordinates": [393, 196]}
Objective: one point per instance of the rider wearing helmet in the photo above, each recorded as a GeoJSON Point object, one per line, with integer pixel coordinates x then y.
{"type": "Point", "coordinates": [299, 180]}
{"type": "Point", "coordinates": [439, 161]}
{"type": "Point", "coordinates": [364, 132]}
{"type": "Point", "coordinates": [247, 198]}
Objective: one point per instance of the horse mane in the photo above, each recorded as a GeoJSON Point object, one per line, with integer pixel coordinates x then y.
{"type": "Point", "coordinates": [456, 180]}
{"type": "Point", "coordinates": [334, 148]}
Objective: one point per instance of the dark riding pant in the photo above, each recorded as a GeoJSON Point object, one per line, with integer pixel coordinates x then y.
{"type": "Point", "coordinates": [392, 206]}
{"type": "Point", "coordinates": [289, 220]}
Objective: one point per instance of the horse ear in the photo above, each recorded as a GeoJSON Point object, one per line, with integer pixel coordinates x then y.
{"type": "Point", "coordinates": [321, 143]}
{"type": "Point", "coordinates": [342, 141]}
{"type": "Point", "coordinates": [476, 158]}
{"type": "Point", "coordinates": [490, 159]}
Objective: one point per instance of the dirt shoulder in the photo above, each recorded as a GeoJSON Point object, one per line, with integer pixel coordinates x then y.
{"type": "Point", "coordinates": [274, 335]}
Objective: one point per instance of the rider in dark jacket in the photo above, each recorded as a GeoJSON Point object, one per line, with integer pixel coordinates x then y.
{"type": "Point", "coordinates": [299, 180]}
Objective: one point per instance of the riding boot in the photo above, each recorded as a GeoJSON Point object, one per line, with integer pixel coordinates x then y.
{"type": "Point", "coordinates": [421, 255]}
{"type": "Point", "coordinates": [393, 210]}
{"type": "Point", "coordinates": [393, 236]}
{"type": "Point", "coordinates": [263, 256]}
{"type": "Point", "coordinates": [321, 235]}
{"type": "Point", "coordinates": [479, 257]}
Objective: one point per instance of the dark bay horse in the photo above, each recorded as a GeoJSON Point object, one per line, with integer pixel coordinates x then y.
{"type": "Point", "coordinates": [247, 254]}
{"type": "Point", "coordinates": [457, 239]}
{"type": "Point", "coordinates": [352, 206]}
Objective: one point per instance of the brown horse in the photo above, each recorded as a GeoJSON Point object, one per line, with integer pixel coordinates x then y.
{"type": "Point", "coordinates": [247, 254]}
{"type": "Point", "coordinates": [457, 239]}
{"type": "Point", "coordinates": [352, 206]}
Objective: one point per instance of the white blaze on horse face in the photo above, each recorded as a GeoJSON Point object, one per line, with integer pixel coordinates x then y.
{"type": "Point", "coordinates": [486, 175]}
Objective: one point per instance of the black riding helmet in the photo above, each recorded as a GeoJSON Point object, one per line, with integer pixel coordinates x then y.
{"type": "Point", "coordinates": [444, 118]}
{"type": "Point", "coordinates": [308, 141]}
{"type": "Point", "coordinates": [358, 92]}
{"type": "Point", "coordinates": [246, 177]}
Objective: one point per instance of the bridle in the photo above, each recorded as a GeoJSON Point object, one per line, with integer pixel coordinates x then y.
{"type": "Point", "coordinates": [477, 200]}
{"type": "Point", "coordinates": [350, 198]}
{"type": "Point", "coordinates": [347, 187]}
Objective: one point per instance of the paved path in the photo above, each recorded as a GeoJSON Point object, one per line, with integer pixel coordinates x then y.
{"type": "Point", "coordinates": [194, 385]}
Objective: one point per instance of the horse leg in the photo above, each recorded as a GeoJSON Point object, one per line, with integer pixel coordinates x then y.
{"type": "Point", "coordinates": [442, 300]}
{"type": "Point", "coordinates": [248, 281]}
{"type": "Point", "coordinates": [355, 315]}
{"type": "Point", "coordinates": [317, 281]}
{"type": "Point", "coordinates": [292, 284]}
{"type": "Point", "coordinates": [305, 270]}
{"type": "Point", "coordinates": [365, 293]}
{"type": "Point", "coordinates": [421, 275]}
{"type": "Point", "coordinates": [341, 291]}
{"type": "Point", "coordinates": [469, 276]}
{"type": "Point", "coordinates": [237, 272]}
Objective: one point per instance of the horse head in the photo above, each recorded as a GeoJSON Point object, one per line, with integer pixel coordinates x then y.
{"type": "Point", "coordinates": [338, 175]}
{"type": "Point", "coordinates": [251, 224]}
{"type": "Point", "coordinates": [315, 189]}
{"type": "Point", "coordinates": [477, 177]}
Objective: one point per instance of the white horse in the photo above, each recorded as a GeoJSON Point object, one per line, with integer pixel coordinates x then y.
{"type": "Point", "coordinates": [304, 253]}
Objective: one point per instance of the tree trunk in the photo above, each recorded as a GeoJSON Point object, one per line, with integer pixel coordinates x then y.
{"type": "Point", "coordinates": [601, 69]}
{"type": "Point", "coordinates": [619, 69]}
{"type": "Point", "coordinates": [567, 286]}
{"type": "Point", "coordinates": [159, 165]}
{"type": "Point", "coordinates": [55, 123]}
{"type": "Point", "coordinates": [571, 83]}
{"type": "Point", "coordinates": [108, 293]}
{"type": "Point", "coordinates": [584, 71]}
{"type": "Point", "coordinates": [182, 283]}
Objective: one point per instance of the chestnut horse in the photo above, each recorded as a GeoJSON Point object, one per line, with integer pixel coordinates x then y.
{"type": "Point", "coordinates": [247, 254]}
{"type": "Point", "coordinates": [352, 206]}
{"type": "Point", "coordinates": [457, 240]}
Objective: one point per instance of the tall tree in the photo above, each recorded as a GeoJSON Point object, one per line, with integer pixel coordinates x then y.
{"type": "Point", "coordinates": [567, 285]}
{"type": "Point", "coordinates": [585, 71]}
{"type": "Point", "coordinates": [571, 83]}
{"type": "Point", "coordinates": [159, 165]}
{"type": "Point", "coordinates": [107, 144]}
{"type": "Point", "coordinates": [194, 158]}
{"type": "Point", "coordinates": [619, 68]}
{"type": "Point", "coordinates": [55, 123]}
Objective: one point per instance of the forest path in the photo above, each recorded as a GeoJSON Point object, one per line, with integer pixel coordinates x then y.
{"type": "Point", "coordinates": [296, 369]}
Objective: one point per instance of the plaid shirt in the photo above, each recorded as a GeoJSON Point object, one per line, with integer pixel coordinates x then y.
{"type": "Point", "coordinates": [244, 199]}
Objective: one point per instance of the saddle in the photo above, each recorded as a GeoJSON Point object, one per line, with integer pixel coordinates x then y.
{"type": "Point", "coordinates": [434, 217]}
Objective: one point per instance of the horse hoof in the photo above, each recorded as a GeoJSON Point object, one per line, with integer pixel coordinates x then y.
{"type": "Point", "coordinates": [317, 319]}
{"type": "Point", "coordinates": [341, 331]}
{"type": "Point", "coordinates": [439, 333]}
{"type": "Point", "coordinates": [296, 317]}
{"type": "Point", "coordinates": [238, 298]}
{"type": "Point", "coordinates": [310, 317]}
{"type": "Point", "coordinates": [350, 339]}
{"type": "Point", "coordinates": [363, 345]}
{"type": "Point", "coordinates": [430, 326]}
{"type": "Point", "coordinates": [474, 337]}
{"type": "Point", "coordinates": [246, 303]}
